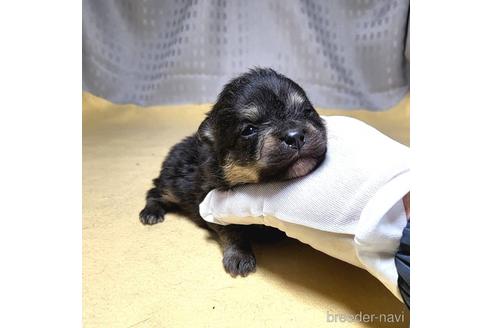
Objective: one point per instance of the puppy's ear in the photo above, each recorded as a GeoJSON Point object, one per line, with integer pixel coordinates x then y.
{"type": "Point", "coordinates": [206, 131]}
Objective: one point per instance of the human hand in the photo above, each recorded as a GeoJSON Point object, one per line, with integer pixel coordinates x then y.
{"type": "Point", "coordinates": [350, 205]}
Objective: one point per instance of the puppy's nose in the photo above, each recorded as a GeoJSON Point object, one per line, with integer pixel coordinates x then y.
{"type": "Point", "coordinates": [294, 139]}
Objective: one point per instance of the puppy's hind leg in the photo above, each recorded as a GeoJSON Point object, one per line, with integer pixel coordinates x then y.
{"type": "Point", "coordinates": [157, 204]}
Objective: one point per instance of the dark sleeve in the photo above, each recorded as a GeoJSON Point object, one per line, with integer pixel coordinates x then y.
{"type": "Point", "coordinates": [402, 261]}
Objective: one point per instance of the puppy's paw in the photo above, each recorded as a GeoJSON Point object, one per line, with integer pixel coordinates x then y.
{"type": "Point", "coordinates": [152, 214]}
{"type": "Point", "coordinates": [238, 262]}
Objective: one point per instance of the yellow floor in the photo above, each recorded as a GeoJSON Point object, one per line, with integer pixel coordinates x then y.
{"type": "Point", "coordinates": [170, 274]}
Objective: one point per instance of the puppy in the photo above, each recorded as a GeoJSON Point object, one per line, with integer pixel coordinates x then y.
{"type": "Point", "coordinates": [262, 128]}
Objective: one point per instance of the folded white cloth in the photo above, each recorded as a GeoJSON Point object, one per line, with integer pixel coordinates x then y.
{"type": "Point", "coordinates": [350, 207]}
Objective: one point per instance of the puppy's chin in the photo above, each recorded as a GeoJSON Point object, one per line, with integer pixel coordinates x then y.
{"type": "Point", "coordinates": [301, 167]}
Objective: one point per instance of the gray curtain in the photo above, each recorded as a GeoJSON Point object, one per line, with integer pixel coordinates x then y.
{"type": "Point", "coordinates": [344, 53]}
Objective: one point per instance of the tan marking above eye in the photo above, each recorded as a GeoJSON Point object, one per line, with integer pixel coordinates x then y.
{"type": "Point", "coordinates": [251, 113]}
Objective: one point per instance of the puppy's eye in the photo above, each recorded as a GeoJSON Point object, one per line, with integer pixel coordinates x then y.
{"type": "Point", "coordinates": [249, 130]}
{"type": "Point", "coordinates": [308, 109]}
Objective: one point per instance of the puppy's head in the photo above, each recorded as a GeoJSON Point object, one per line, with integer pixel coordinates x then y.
{"type": "Point", "coordinates": [264, 128]}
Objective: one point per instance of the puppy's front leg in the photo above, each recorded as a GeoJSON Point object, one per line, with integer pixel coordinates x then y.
{"type": "Point", "coordinates": [238, 255]}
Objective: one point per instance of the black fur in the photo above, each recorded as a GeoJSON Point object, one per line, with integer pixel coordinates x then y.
{"type": "Point", "coordinates": [262, 128]}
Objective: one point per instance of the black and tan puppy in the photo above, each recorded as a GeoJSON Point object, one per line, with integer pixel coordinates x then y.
{"type": "Point", "coordinates": [262, 128]}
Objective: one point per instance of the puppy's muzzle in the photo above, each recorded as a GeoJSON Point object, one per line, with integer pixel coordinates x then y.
{"type": "Point", "coordinates": [294, 138]}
